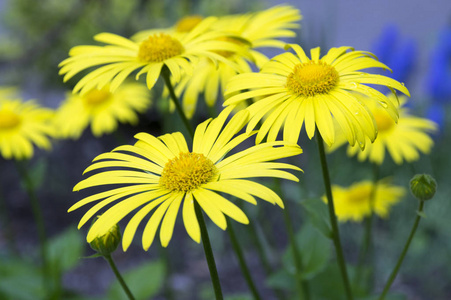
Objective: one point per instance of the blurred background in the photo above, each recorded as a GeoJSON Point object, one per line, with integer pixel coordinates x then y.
{"type": "Point", "coordinates": [411, 37]}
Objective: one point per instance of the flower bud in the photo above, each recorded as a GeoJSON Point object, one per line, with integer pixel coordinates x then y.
{"type": "Point", "coordinates": [107, 243]}
{"type": "Point", "coordinates": [423, 186]}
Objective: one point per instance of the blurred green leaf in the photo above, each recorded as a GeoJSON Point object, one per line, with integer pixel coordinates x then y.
{"type": "Point", "coordinates": [318, 214]}
{"type": "Point", "coordinates": [20, 280]}
{"type": "Point", "coordinates": [238, 297]}
{"type": "Point", "coordinates": [144, 281]}
{"type": "Point", "coordinates": [282, 280]}
{"type": "Point", "coordinates": [314, 250]}
{"type": "Point", "coordinates": [65, 250]}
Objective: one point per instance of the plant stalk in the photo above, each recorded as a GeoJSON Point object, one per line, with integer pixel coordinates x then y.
{"type": "Point", "coordinates": [121, 280]}
{"type": "Point", "coordinates": [404, 252]}
{"type": "Point", "coordinates": [242, 261]}
{"type": "Point", "coordinates": [333, 218]}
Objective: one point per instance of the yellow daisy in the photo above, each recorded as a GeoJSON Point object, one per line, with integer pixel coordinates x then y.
{"type": "Point", "coordinates": [162, 174]}
{"type": "Point", "coordinates": [293, 89]}
{"type": "Point", "coordinates": [102, 109]}
{"type": "Point", "coordinates": [403, 141]}
{"type": "Point", "coordinates": [23, 124]}
{"type": "Point", "coordinates": [183, 26]}
{"type": "Point", "coordinates": [253, 31]}
{"type": "Point", "coordinates": [121, 56]}
{"type": "Point", "coordinates": [353, 203]}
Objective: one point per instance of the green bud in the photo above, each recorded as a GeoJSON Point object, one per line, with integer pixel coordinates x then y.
{"type": "Point", "coordinates": [423, 186]}
{"type": "Point", "coordinates": [107, 243]}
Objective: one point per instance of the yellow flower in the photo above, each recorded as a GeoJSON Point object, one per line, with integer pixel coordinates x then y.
{"type": "Point", "coordinates": [253, 31]}
{"type": "Point", "coordinates": [403, 141]}
{"type": "Point", "coordinates": [121, 56]}
{"type": "Point", "coordinates": [292, 90]}
{"type": "Point", "coordinates": [102, 109]}
{"type": "Point", "coordinates": [353, 203]}
{"type": "Point", "coordinates": [23, 124]}
{"type": "Point", "coordinates": [163, 174]}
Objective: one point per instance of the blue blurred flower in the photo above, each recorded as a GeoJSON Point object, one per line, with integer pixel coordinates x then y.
{"type": "Point", "coordinates": [436, 113]}
{"type": "Point", "coordinates": [438, 79]}
{"type": "Point", "coordinates": [396, 52]}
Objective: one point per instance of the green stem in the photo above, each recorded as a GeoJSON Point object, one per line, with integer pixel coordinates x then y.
{"type": "Point", "coordinates": [302, 286]}
{"type": "Point", "coordinates": [367, 238]}
{"type": "Point", "coordinates": [259, 241]}
{"type": "Point", "coordinates": [244, 268]}
{"type": "Point", "coordinates": [175, 100]}
{"type": "Point", "coordinates": [208, 253]}
{"type": "Point", "coordinates": [116, 272]}
{"type": "Point", "coordinates": [404, 252]}
{"type": "Point", "coordinates": [203, 228]}
{"type": "Point", "coordinates": [333, 217]}
{"type": "Point", "coordinates": [38, 218]}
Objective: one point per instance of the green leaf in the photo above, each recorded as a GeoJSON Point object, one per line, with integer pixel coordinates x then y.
{"type": "Point", "coordinates": [318, 215]}
{"type": "Point", "coordinates": [37, 173]}
{"type": "Point", "coordinates": [314, 250]}
{"type": "Point", "coordinates": [65, 250]}
{"type": "Point", "coordinates": [239, 297]}
{"type": "Point", "coordinates": [422, 214]}
{"type": "Point", "coordinates": [282, 280]}
{"type": "Point", "coordinates": [20, 280]}
{"type": "Point", "coordinates": [144, 281]}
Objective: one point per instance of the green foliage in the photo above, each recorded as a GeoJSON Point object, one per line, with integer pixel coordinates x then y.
{"type": "Point", "coordinates": [144, 281]}
{"type": "Point", "coordinates": [20, 279]}
{"type": "Point", "coordinates": [318, 215]}
{"type": "Point", "coordinates": [65, 250]}
{"type": "Point", "coordinates": [315, 253]}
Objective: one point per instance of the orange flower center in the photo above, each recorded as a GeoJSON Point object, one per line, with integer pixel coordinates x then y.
{"type": "Point", "coordinates": [383, 121]}
{"type": "Point", "coordinates": [159, 47]}
{"type": "Point", "coordinates": [359, 195]}
{"type": "Point", "coordinates": [9, 119]}
{"type": "Point", "coordinates": [186, 24]}
{"type": "Point", "coordinates": [97, 97]}
{"type": "Point", "coordinates": [187, 172]}
{"type": "Point", "coordinates": [310, 79]}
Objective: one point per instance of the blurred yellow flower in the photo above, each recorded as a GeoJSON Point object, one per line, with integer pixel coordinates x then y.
{"type": "Point", "coordinates": [403, 141]}
{"type": "Point", "coordinates": [102, 109]}
{"type": "Point", "coordinates": [354, 203]}
{"type": "Point", "coordinates": [162, 174]}
{"type": "Point", "coordinates": [121, 56]}
{"type": "Point", "coordinates": [252, 31]}
{"type": "Point", "coordinates": [293, 89]}
{"type": "Point", "coordinates": [23, 124]}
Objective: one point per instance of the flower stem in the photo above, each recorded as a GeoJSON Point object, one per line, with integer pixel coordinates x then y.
{"type": "Point", "coordinates": [38, 218]}
{"type": "Point", "coordinates": [404, 252]}
{"type": "Point", "coordinates": [242, 261]}
{"type": "Point", "coordinates": [367, 238]}
{"type": "Point", "coordinates": [333, 217]}
{"type": "Point", "coordinates": [116, 272]}
{"type": "Point", "coordinates": [301, 286]}
{"type": "Point", "coordinates": [175, 100]}
{"type": "Point", "coordinates": [203, 228]}
{"type": "Point", "coordinates": [208, 253]}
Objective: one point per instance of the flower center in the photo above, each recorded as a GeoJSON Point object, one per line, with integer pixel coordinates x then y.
{"type": "Point", "coordinates": [97, 97]}
{"type": "Point", "coordinates": [9, 119]}
{"type": "Point", "coordinates": [383, 121]}
{"type": "Point", "coordinates": [186, 24]}
{"type": "Point", "coordinates": [159, 47]}
{"type": "Point", "coordinates": [359, 195]}
{"type": "Point", "coordinates": [187, 172]}
{"type": "Point", "coordinates": [309, 79]}
{"type": "Point", "coordinates": [226, 53]}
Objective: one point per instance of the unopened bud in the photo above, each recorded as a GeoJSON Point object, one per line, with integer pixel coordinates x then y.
{"type": "Point", "coordinates": [107, 243]}
{"type": "Point", "coordinates": [423, 186]}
